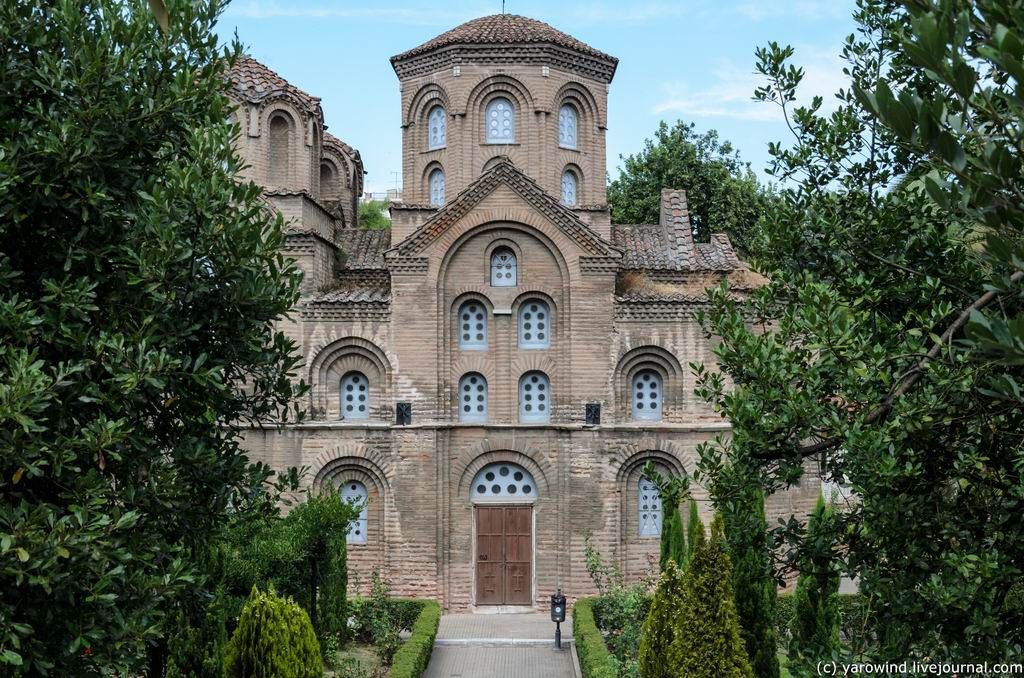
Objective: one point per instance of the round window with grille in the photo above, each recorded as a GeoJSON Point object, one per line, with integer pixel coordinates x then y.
{"type": "Point", "coordinates": [503, 481]}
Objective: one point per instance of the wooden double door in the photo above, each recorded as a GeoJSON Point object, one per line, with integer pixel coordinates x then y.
{"type": "Point", "coordinates": [504, 555]}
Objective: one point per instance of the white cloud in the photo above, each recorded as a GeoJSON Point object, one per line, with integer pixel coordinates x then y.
{"type": "Point", "coordinates": [730, 94]}
{"type": "Point", "coordinates": [808, 10]}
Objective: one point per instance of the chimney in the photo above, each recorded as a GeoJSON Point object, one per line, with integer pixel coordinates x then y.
{"type": "Point", "coordinates": [675, 220]}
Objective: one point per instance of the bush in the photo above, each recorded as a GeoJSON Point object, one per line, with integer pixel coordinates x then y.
{"type": "Point", "coordinates": [595, 660]}
{"type": "Point", "coordinates": [851, 617]}
{"type": "Point", "coordinates": [815, 624]}
{"type": "Point", "coordinates": [412, 658]}
{"type": "Point", "coordinates": [661, 625]}
{"type": "Point", "coordinates": [381, 621]}
{"type": "Point", "coordinates": [274, 639]}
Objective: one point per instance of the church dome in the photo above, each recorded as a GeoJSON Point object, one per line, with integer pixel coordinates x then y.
{"type": "Point", "coordinates": [503, 29]}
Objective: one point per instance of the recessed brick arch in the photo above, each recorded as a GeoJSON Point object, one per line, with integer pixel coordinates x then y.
{"type": "Point", "coordinates": [662, 361]}
{"type": "Point", "coordinates": [582, 98]}
{"type": "Point", "coordinates": [340, 357]}
{"type": "Point", "coordinates": [539, 467]}
{"type": "Point", "coordinates": [497, 85]}
{"type": "Point", "coordinates": [426, 97]}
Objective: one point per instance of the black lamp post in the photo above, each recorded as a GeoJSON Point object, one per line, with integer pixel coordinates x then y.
{"type": "Point", "coordinates": [558, 615]}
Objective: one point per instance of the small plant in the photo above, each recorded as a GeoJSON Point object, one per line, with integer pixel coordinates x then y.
{"type": "Point", "coordinates": [381, 619]}
{"type": "Point", "coordinates": [274, 639]}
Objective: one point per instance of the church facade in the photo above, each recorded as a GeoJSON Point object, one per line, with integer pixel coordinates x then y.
{"type": "Point", "coordinates": [492, 373]}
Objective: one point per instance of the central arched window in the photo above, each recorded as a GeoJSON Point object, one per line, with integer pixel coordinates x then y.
{"type": "Point", "coordinates": [649, 508]}
{"type": "Point", "coordinates": [437, 188]}
{"type": "Point", "coordinates": [534, 324]}
{"type": "Point", "coordinates": [437, 128]}
{"type": "Point", "coordinates": [647, 396]}
{"type": "Point", "coordinates": [569, 188]}
{"type": "Point", "coordinates": [534, 398]}
{"type": "Point", "coordinates": [472, 398]}
{"type": "Point", "coordinates": [500, 122]}
{"type": "Point", "coordinates": [355, 396]}
{"type": "Point", "coordinates": [473, 325]}
{"type": "Point", "coordinates": [503, 481]}
{"type": "Point", "coordinates": [567, 127]}
{"type": "Point", "coordinates": [354, 492]}
{"type": "Point", "coordinates": [503, 268]}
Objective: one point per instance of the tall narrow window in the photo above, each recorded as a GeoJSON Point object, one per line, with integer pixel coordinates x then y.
{"type": "Point", "coordinates": [437, 188]}
{"type": "Point", "coordinates": [355, 396]}
{"type": "Point", "coordinates": [437, 128]}
{"type": "Point", "coordinates": [472, 398]}
{"type": "Point", "coordinates": [500, 123]}
{"type": "Point", "coordinates": [280, 131]}
{"type": "Point", "coordinates": [503, 268]}
{"type": "Point", "coordinates": [567, 127]}
{"type": "Point", "coordinates": [649, 508]}
{"type": "Point", "coordinates": [534, 398]}
{"type": "Point", "coordinates": [534, 324]}
{"type": "Point", "coordinates": [473, 326]}
{"type": "Point", "coordinates": [647, 396]}
{"type": "Point", "coordinates": [569, 188]}
{"type": "Point", "coordinates": [354, 492]}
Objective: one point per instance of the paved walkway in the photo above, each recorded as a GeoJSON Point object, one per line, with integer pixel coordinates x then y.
{"type": "Point", "coordinates": [500, 646]}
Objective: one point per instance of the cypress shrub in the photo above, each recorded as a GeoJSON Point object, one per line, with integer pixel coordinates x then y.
{"type": "Point", "coordinates": [334, 590]}
{"type": "Point", "coordinates": [274, 639]}
{"type": "Point", "coordinates": [814, 633]}
{"type": "Point", "coordinates": [706, 641]}
{"type": "Point", "coordinates": [673, 540]}
{"type": "Point", "coordinates": [693, 527]}
{"type": "Point", "coordinates": [660, 627]}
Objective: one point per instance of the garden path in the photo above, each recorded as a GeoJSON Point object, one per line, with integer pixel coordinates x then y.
{"type": "Point", "coordinates": [501, 646]}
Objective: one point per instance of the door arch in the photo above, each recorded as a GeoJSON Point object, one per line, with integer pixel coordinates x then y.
{"type": "Point", "coordinates": [503, 494]}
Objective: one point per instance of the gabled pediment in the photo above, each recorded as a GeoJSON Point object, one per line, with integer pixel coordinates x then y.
{"type": "Point", "coordinates": [505, 174]}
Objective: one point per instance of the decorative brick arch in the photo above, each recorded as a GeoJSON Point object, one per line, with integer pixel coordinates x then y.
{"type": "Point", "coordinates": [341, 356]}
{"type": "Point", "coordinates": [541, 468]}
{"type": "Point", "coordinates": [426, 97]}
{"type": "Point", "coordinates": [352, 456]}
{"type": "Point", "coordinates": [495, 85]}
{"type": "Point", "coordinates": [652, 357]}
{"type": "Point", "coordinates": [582, 98]}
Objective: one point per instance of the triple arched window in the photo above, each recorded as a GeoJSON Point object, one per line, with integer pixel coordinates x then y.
{"type": "Point", "coordinates": [503, 268]}
{"type": "Point", "coordinates": [649, 509]}
{"type": "Point", "coordinates": [534, 324]}
{"type": "Point", "coordinates": [437, 188]}
{"type": "Point", "coordinates": [355, 396]}
{"type": "Point", "coordinates": [500, 122]}
{"type": "Point", "coordinates": [569, 188]}
{"type": "Point", "coordinates": [534, 398]}
{"type": "Point", "coordinates": [472, 398]}
{"type": "Point", "coordinates": [473, 325]}
{"type": "Point", "coordinates": [437, 128]}
{"type": "Point", "coordinates": [354, 492]}
{"type": "Point", "coordinates": [567, 126]}
{"type": "Point", "coordinates": [647, 396]}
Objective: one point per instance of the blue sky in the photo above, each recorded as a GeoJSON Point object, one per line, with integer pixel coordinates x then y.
{"type": "Point", "coordinates": [690, 60]}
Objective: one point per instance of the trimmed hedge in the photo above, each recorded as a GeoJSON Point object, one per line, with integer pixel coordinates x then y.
{"type": "Point", "coordinates": [595, 660]}
{"type": "Point", "coordinates": [413, 656]}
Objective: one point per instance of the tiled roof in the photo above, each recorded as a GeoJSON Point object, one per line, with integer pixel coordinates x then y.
{"type": "Point", "coordinates": [508, 29]}
{"type": "Point", "coordinates": [650, 247]}
{"type": "Point", "coordinates": [355, 294]}
{"type": "Point", "coordinates": [255, 82]}
{"type": "Point", "coordinates": [331, 139]}
{"type": "Point", "coordinates": [364, 248]}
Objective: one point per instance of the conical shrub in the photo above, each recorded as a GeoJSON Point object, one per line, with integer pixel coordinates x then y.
{"type": "Point", "coordinates": [815, 625]}
{"type": "Point", "coordinates": [706, 642]}
{"type": "Point", "coordinates": [274, 639]}
{"type": "Point", "coordinates": [694, 525]}
{"type": "Point", "coordinates": [673, 539]}
{"type": "Point", "coordinates": [660, 626]}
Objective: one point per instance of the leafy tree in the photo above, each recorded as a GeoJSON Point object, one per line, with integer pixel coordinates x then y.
{"type": "Point", "coordinates": [694, 528]}
{"type": "Point", "coordinates": [815, 626]}
{"type": "Point", "coordinates": [706, 642]}
{"type": "Point", "coordinates": [886, 351]}
{"type": "Point", "coordinates": [660, 627]}
{"type": "Point", "coordinates": [140, 281]}
{"type": "Point", "coordinates": [373, 214]}
{"type": "Point", "coordinates": [274, 639]}
{"type": "Point", "coordinates": [723, 194]}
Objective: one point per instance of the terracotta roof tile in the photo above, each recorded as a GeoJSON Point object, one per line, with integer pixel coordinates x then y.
{"type": "Point", "coordinates": [255, 82]}
{"type": "Point", "coordinates": [504, 29]}
{"type": "Point", "coordinates": [364, 248]}
{"type": "Point", "coordinates": [644, 246]}
{"type": "Point", "coordinates": [355, 294]}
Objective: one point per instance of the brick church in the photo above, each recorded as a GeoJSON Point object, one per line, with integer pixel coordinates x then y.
{"type": "Point", "coordinates": [492, 373]}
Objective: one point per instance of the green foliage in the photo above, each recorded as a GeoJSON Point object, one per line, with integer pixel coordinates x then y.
{"type": "Point", "coordinates": [706, 641]}
{"type": "Point", "coordinates": [886, 350]}
{"type": "Point", "coordinates": [723, 193]}
{"type": "Point", "coordinates": [373, 214]}
{"type": "Point", "coordinates": [199, 641]}
{"type": "Point", "coordinates": [274, 639]}
{"type": "Point", "coordinates": [413, 656]}
{"type": "Point", "coordinates": [381, 621]}
{"type": "Point", "coordinates": [595, 660]}
{"type": "Point", "coordinates": [815, 627]}
{"type": "Point", "coordinates": [694, 529]}
{"type": "Point", "coordinates": [661, 627]}
{"type": "Point", "coordinates": [672, 490]}
{"type": "Point", "coordinates": [853, 616]}
{"type": "Point", "coordinates": [140, 282]}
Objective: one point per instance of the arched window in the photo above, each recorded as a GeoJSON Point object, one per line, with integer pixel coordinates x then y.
{"type": "Point", "coordinates": [649, 508]}
{"type": "Point", "coordinates": [437, 188]}
{"type": "Point", "coordinates": [569, 188]}
{"type": "Point", "coordinates": [437, 128]}
{"type": "Point", "coordinates": [355, 396]}
{"type": "Point", "coordinates": [280, 131]}
{"type": "Point", "coordinates": [472, 398]}
{"type": "Point", "coordinates": [503, 268]}
{"type": "Point", "coordinates": [567, 127]}
{"type": "Point", "coordinates": [500, 122]}
{"type": "Point", "coordinates": [647, 396]}
{"type": "Point", "coordinates": [473, 326]}
{"type": "Point", "coordinates": [503, 480]}
{"type": "Point", "coordinates": [354, 492]}
{"type": "Point", "coordinates": [534, 324]}
{"type": "Point", "coordinates": [327, 180]}
{"type": "Point", "coordinates": [534, 398]}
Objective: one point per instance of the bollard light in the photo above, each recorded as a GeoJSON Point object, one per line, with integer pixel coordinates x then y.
{"type": "Point", "coordinates": [558, 615]}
